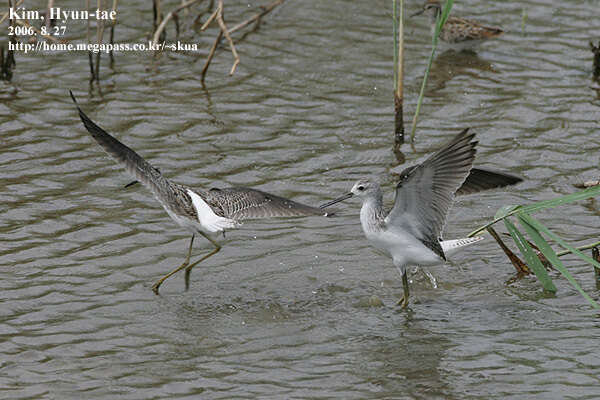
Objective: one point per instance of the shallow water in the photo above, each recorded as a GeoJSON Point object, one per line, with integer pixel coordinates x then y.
{"type": "Point", "coordinates": [283, 311]}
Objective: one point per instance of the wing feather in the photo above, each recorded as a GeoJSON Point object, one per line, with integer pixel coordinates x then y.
{"type": "Point", "coordinates": [239, 203]}
{"type": "Point", "coordinates": [172, 197]}
{"type": "Point", "coordinates": [234, 203]}
{"type": "Point", "coordinates": [483, 179]}
{"type": "Point", "coordinates": [426, 191]}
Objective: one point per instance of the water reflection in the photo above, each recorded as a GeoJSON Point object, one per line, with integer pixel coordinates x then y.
{"type": "Point", "coordinates": [407, 361]}
{"type": "Point", "coordinates": [451, 63]}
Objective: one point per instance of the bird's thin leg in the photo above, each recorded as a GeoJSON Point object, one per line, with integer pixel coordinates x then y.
{"type": "Point", "coordinates": [185, 264]}
{"type": "Point", "coordinates": [212, 253]}
{"type": "Point", "coordinates": [403, 302]}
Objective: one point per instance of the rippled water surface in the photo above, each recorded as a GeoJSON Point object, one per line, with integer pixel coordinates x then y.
{"type": "Point", "coordinates": [283, 312]}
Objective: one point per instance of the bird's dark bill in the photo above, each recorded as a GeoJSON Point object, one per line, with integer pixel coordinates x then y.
{"type": "Point", "coordinates": [131, 184]}
{"type": "Point", "coordinates": [332, 202]}
{"type": "Point", "coordinates": [417, 13]}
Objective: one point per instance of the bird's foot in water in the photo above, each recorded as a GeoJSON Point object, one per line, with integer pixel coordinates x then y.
{"type": "Point", "coordinates": [403, 302]}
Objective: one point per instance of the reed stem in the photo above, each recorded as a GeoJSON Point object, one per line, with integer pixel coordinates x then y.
{"type": "Point", "coordinates": [398, 71]}
{"type": "Point", "coordinates": [441, 20]}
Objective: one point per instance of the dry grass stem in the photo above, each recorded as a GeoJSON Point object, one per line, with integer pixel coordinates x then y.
{"type": "Point", "coordinates": [99, 40]}
{"type": "Point", "coordinates": [265, 10]}
{"type": "Point", "coordinates": [6, 14]}
{"type": "Point", "coordinates": [398, 74]}
{"type": "Point", "coordinates": [210, 20]}
{"type": "Point", "coordinates": [596, 51]}
{"type": "Point", "coordinates": [211, 55]}
{"type": "Point", "coordinates": [112, 34]}
{"type": "Point", "coordinates": [170, 16]}
{"type": "Point", "coordinates": [223, 27]}
{"type": "Point", "coordinates": [596, 257]}
{"type": "Point", "coordinates": [547, 264]}
{"type": "Point", "coordinates": [49, 22]}
{"type": "Point", "coordinates": [89, 41]}
{"type": "Point", "coordinates": [157, 13]}
{"type": "Point", "coordinates": [520, 266]}
{"type": "Point", "coordinates": [8, 63]}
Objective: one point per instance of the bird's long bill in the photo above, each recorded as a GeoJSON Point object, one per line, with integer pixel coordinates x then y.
{"type": "Point", "coordinates": [131, 184]}
{"type": "Point", "coordinates": [417, 13]}
{"type": "Point", "coordinates": [332, 202]}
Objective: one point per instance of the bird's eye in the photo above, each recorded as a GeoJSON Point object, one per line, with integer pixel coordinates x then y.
{"type": "Point", "coordinates": [361, 188]}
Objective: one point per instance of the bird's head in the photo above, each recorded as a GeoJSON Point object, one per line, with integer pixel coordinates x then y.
{"type": "Point", "coordinates": [363, 188]}
{"type": "Point", "coordinates": [431, 8]}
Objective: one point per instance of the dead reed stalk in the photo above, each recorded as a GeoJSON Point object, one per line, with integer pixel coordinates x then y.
{"type": "Point", "coordinates": [596, 257]}
{"type": "Point", "coordinates": [520, 266]}
{"type": "Point", "coordinates": [159, 31]}
{"type": "Point", "coordinates": [7, 63]}
{"type": "Point", "coordinates": [256, 17]}
{"type": "Point", "coordinates": [596, 51]}
{"type": "Point", "coordinates": [217, 16]}
{"type": "Point", "coordinates": [398, 74]}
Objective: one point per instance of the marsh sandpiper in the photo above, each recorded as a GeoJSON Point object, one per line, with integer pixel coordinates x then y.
{"type": "Point", "coordinates": [411, 232]}
{"type": "Point", "coordinates": [204, 212]}
{"type": "Point", "coordinates": [459, 33]}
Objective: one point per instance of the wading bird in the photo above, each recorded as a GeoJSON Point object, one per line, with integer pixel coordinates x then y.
{"type": "Point", "coordinates": [203, 212]}
{"type": "Point", "coordinates": [459, 33]}
{"type": "Point", "coordinates": [411, 232]}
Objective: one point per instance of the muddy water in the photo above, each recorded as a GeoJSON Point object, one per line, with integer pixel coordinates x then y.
{"type": "Point", "coordinates": [283, 311]}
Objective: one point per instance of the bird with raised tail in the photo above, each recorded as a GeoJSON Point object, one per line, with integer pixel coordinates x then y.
{"type": "Point", "coordinates": [411, 232]}
{"type": "Point", "coordinates": [203, 212]}
{"type": "Point", "coordinates": [459, 33]}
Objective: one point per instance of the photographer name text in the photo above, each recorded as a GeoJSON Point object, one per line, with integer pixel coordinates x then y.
{"type": "Point", "coordinates": [56, 13]}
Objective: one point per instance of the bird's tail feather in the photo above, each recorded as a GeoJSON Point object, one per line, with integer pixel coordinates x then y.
{"type": "Point", "coordinates": [450, 246]}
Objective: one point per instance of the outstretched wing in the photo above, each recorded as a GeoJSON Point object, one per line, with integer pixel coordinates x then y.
{"type": "Point", "coordinates": [239, 203]}
{"type": "Point", "coordinates": [483, 179]}
{"type": "Point", "coordinates": [172, 196]}
{"type": "Point", "coordinates": [426, 191]}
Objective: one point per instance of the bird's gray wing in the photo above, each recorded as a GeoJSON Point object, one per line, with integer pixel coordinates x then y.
{"type": "Point", "coordinates": [483, 179]}
{"type": "Point", "coordinates": [426, 191]}
{"type": "Point", "coordinates": [172, 196]}
{"type": "Point", "coordinates": [239, 203]}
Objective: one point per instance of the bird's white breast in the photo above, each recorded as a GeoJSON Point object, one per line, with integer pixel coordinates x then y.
{"type": "Point", "coordinates": [403, 247]}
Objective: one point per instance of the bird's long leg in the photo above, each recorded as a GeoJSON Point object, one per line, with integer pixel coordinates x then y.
{"type": "Point", "coordinates": [182, 266]}
{"type": "Point", "coordinates": [212, 253]}
{"type": "Point", "coordinates": [403, 302]}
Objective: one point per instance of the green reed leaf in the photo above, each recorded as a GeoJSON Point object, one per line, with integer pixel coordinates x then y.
{"type": "Point", "coordinates": [530, 225]}
{"type": "Point", "coordinates": [541, 228]}
{"type": "Point", "coordinates": [530, 256]}
{"type": "Point", "coordinates": [434, 41]}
